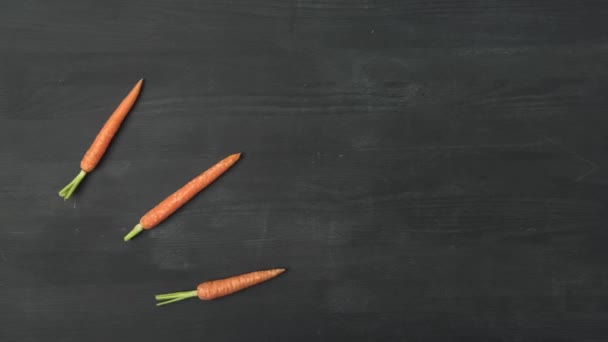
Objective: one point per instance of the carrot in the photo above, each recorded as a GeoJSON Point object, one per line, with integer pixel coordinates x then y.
{"type": "Point", "coordinates": [170, 204]}
{"type": "Point", "coordinates": [222, 287]}
{"type": "Point", "coordinates": [102, 141]}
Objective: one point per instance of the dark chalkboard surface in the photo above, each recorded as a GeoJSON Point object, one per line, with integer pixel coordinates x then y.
{"type": "Point", "coordinates": [426, 170]}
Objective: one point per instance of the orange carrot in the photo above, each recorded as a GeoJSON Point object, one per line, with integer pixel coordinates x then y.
{"type": "Point", "coordinates": [102, 141]}
{"type": "Point", "coordinates": [222, 287]}
{"type": "Point", "coordinates": [170, 204]}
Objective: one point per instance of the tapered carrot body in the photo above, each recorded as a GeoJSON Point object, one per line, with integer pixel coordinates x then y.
{"type": "Point", "coordinates": [222, 287]}
{"type": "Point", "coordinates": [106, 134]}
{"type": "Point", "coordinates": [170, 204]}
{"type": "Point", "coordinates": [103, 139]}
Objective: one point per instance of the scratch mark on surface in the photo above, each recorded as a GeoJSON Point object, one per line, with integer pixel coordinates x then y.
{"type": "Point", "coordinates": [264, 233]}
{"type": "Point", "coordinates": [593, 166]}
{"type": "Point", "coordinates": [455, 147]}
{"type": "Point", "coordinates": [3, 256]}
{"type": "Point", "coordinates": [293, 16]}
{"type": "Point", "coordinates": [263, 238]}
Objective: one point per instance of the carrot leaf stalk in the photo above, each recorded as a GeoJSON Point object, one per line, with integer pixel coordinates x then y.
{"type": "Point", "coordinates": [69, 189]}
{"type": "Point", "coordinates": [136, 230]}
{"type": "Point", "coordinates": [174, 297]}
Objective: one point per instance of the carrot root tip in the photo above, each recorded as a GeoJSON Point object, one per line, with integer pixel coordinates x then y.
{"type": "Point", "coordinates": [136, 230]}
{"type": "Point", "coordinates": [69, 189]}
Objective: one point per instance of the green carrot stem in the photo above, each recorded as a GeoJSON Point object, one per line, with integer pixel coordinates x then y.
{"type": "Point", "coordinates": [174, 297]}
{"type": "Point", "coordinates": [69, 189]}
{"type": "Point", "coordinates": [136, 230]}
{"type": "Point", "coordinates": [170, 301]}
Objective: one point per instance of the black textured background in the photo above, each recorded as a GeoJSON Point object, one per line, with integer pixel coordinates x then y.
{"type": "Point", "coordinates": [426, 170]}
